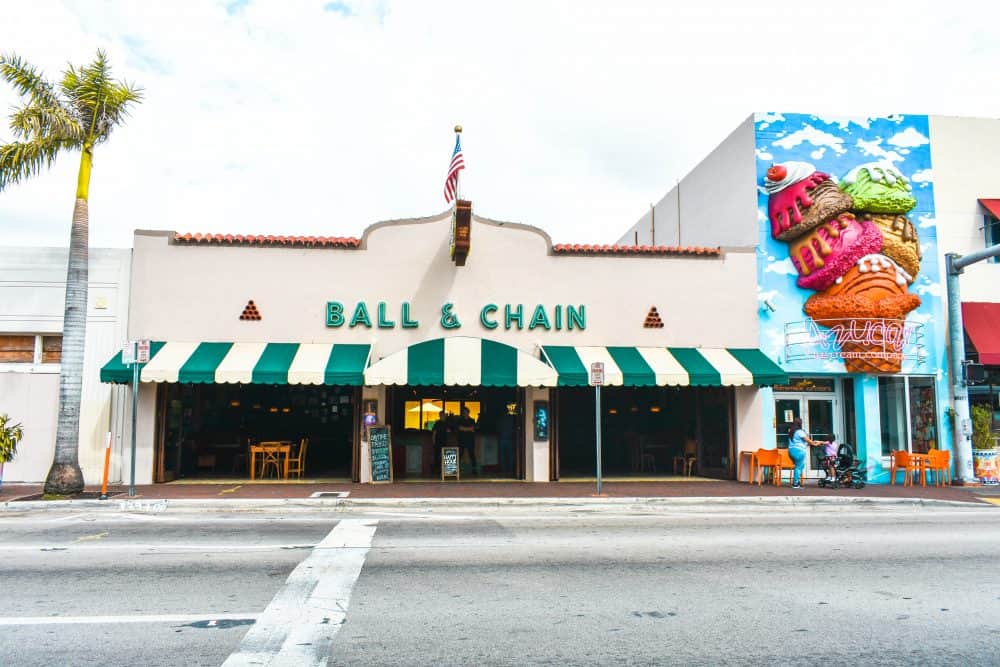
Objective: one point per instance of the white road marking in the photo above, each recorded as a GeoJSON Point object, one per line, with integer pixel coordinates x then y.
{"type": "Point", "coordinates": [153, 548]}
{"type": "Point", "coordinates": [299, 624]}
{"type": "Point", "coordinates": [212, 617]}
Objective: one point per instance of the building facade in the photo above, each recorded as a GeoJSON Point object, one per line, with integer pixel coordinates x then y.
{"type": "Point", "coordinates": [851, 218]}
{"type": "Point", "coordinates": [295, 339]}
{"type": "Point", "coordinates": [32, 293]}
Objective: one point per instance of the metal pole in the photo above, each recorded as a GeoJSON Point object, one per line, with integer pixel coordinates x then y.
{"type": "Point", "coordinates": [597, 419]}
{"type": "Point", "coordinates": [135, 410]}
{"type": "Point", "coordinates": [954, 263]}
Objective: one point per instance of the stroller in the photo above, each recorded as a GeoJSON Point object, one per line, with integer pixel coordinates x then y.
{"type": "Point", "coordinates": [849, 470]}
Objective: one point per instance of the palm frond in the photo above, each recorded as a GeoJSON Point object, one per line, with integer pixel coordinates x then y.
{"type": "Point", "coordinates": [33, 120]}
{"type": "Point", "coordinates": [28, 82]}
{"type": "Point", "coordinates": [20, 160]}
{"type": "Point", "coordinates": [100, 103]}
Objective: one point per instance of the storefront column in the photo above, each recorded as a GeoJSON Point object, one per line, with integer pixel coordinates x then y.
{"type": "Point", "coordinates": [752, 424]}
{"type": "Point", "coordinates": [376, 394]}
{"type": "Point", "coordinates": [868, 424]}
{"type": "Point", "coordinates": [536, 452]}
{"type": "Point", "coordinates": [145, 436]}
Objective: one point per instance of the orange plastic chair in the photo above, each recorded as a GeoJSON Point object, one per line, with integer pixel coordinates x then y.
{"type": "Point", "coordinates": [939, 466]}
{"type": "Point", "coordinates": [769, 466]}
{"type": "Point", "coordinates": [901, 460]}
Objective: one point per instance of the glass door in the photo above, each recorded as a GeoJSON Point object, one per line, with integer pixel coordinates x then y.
{"type": "Point", "coordinates": [820, 417]}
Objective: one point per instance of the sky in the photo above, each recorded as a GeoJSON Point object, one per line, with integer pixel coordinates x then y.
{"type": "Point", "coordinates": [323, 117]}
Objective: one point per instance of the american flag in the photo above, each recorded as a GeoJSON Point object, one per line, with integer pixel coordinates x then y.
{"type": "Point", "coordinates": [457, 165]}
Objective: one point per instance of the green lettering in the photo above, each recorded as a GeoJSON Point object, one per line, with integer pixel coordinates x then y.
{"type": "Point", "coordinates": [383, 321]}
{"type": "Point", "coordinates": [449, 320]}
{"type": "Point", "coordinates": [510, 316]}
{"type": "Point", "coordinates": [577, 317]}
{"type": "Point", "coordinates": [539, 319]}
{"type": "Point", "coordinates": [334, 314]}
{"type": "Point", "coordinates": [485, 313]}
{"type": "Point", "coordinates": [407, 323]}
{"type": "Point", "coordinates": [558, 318]}
{"type": "Point", "coordinates": [361, 316]}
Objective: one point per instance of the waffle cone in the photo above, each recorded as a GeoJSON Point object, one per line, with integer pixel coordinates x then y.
{"type": "Point", "coordinates": [859, 358]}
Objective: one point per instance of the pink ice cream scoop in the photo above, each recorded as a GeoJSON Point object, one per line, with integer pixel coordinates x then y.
{"type": "Point", "coordinates": [800, 199]}
{"type": "Point", "coordinates": [827, 252]}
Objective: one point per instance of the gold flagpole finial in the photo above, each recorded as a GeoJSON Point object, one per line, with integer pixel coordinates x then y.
{"type": "Point", "coordinates": [458, 129]}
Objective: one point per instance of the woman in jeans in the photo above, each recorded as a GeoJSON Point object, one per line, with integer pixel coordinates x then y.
{"type": "Point", "coordinates": [798, 448]}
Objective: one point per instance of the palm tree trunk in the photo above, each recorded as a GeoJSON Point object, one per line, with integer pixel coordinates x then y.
{"type": "Point", "coordinates": [65, 476]}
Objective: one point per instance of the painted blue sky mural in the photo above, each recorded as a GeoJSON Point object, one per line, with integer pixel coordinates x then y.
{"type": "Point", "coordinates": [836, 146]}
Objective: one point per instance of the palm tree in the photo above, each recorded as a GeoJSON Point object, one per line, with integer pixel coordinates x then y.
{"type": "Point", "coordinates": [78, 114]}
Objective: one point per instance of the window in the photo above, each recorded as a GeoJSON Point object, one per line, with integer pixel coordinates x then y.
{"type": "Point", "coordinates": [992, 228]}
{"type": "Point", "coordinates": [908, 414]}
{"type": "Point", "coordinates": [17, 348]}
{"type": "Point", "coordinates": [30, 349]}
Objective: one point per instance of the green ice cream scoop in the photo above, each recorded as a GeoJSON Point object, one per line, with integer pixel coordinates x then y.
{"type": "Point", "coordinates": [878, 188]}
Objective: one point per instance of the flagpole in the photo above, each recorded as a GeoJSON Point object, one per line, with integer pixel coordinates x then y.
{"type": "Point", "coordinates": [458, 179]}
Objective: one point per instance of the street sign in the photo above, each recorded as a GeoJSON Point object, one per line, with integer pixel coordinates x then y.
{"type": "Point", "coordinates": [597, 374]}
{"type": "Point", "coordinates": [142, 353]}
{"type": "Point", "coordinates": [128, 353]}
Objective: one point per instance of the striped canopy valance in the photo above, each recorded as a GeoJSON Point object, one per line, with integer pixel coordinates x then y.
{"type": "Point", "coordinates": [461, 360]}
{"type": "Point", "coordinates": [659, 366]}
{"type": "Point", "coordinates": [247, 363]}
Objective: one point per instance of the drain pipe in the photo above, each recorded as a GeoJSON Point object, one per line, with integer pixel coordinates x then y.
{"type": "Point", "coordinates": [954, 264]}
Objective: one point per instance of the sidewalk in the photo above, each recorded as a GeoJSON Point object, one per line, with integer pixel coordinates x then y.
{"type": "Point", "coordinates": [519, 490]}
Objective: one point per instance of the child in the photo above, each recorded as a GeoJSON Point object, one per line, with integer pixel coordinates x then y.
{"type": "Point", "coordinates": [830, 452]}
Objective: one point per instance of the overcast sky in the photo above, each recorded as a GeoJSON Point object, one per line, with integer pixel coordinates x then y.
{"type": "Point", "coordinates": [323, 117]}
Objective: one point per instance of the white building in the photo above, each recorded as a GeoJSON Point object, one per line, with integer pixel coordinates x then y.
{"type": "Point", "coordinates": [32, 291]}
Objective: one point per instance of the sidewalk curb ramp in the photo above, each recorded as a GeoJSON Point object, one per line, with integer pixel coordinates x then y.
{"type": "Point", "coordinates": [686, 504]}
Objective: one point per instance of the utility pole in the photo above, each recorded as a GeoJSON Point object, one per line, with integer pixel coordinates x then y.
{"type": "Point", "coordinates": [954, 264]}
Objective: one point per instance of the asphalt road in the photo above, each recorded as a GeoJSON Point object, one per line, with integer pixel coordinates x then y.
{"type": "Point", "coordinates": [848, 585]}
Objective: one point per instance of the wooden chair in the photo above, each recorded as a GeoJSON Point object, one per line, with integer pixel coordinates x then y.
{"type": "Point", "coordinates": [270, 457]}
{"type": "Point", "coordinates": [939, 466]}
{"type": "Point", "coordinates": [297, 463]}
{"type": "Point", "coordinates": [901, 460]}
{"type": "Point", "coordinates": [688, 460]}
{"type": "Point", "coordinates": [768, 466]}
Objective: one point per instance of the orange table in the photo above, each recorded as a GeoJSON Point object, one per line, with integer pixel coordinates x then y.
{"type": "Point", "coordinates": [923, 461]}
{"type": "Point", "coordinates": [280, 448]}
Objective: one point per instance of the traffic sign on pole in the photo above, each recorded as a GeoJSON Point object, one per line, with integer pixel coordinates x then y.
{"type": "Point", "coordinates": [597, 374]}
{"type": "Point", "coordinates": [142, 351]}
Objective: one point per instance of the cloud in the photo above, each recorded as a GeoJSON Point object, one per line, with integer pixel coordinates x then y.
{"type": "Point", "coordinates": [927, 287]}
{"type": "Point", "coordinates": [818, 153]}
{"type": "Point", "coordinates": [763, 155]}
{"type": "Point", "coordinates": [924, 176]}
{"type": "Point", "coordinates": [811, 135]}
{"type": "Point", "coordinates": [844, 122]}
{"type": "Point", "coordinates": [784, 267]}
{"type": "Point", "coordinates": [874, 148]}
{"type": "Point", "coordinates": [908, 138]}
{"type": "Point", "coordinates": [764, 120]}
{"type": "Point", "coordinates": [926, 221]}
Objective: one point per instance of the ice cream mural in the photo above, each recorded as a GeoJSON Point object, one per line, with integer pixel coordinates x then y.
{"type": "Point", "coordinates": [848, 263]}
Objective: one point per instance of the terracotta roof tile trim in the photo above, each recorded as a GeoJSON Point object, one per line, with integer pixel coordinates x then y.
{"type": "Point", "coordinates": [269, 240]}
{"type": "Point", "coordinates": [586, 249]}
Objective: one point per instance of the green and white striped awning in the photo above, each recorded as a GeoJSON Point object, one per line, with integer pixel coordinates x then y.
{"type": "Point", "coordinates": [247, 363]}
{"type": "Point", "coordinates": [461, 360]}
{"type": "Point", "coordinates": [659, 366]}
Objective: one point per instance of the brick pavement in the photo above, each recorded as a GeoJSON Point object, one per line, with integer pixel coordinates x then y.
{"type": "Point", "coordinates": [617, 489]}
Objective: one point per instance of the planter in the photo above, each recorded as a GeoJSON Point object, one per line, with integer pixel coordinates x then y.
{"type": "Point", "coordinates": [984, 466]}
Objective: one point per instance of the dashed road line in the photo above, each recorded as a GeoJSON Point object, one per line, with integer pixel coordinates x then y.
{"type": "Point", "coordinates": [210, 617]}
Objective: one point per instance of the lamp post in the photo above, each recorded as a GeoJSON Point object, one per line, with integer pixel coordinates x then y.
{"type": "Point", "coordinates": [954, 264]}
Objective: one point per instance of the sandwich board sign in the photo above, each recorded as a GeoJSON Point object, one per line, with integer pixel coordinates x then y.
{"type": "Point", "coordinates": [450, 457]}
{"type": "Point", "coordinates": [380, 451]}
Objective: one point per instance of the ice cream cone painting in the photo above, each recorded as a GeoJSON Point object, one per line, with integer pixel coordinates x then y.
{"type": "Point", "coordinates": [846, 210]}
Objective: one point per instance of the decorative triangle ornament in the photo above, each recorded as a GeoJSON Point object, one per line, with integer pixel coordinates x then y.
{"type": "Point", "coordinates": [653, 320]}
{"type": "Point", "coordinates": [250, 313]}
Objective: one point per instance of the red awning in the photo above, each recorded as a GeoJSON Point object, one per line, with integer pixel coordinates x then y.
{"type": "Point", "coordinates": [991, 205]}
{"type": "Point", "coordinates": [982, 324]}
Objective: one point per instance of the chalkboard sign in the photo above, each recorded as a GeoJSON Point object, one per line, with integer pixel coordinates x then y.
{"type": "Point", "coordinates": [450, 458]}
{"type": "Point", "coordinates": [380, 450]}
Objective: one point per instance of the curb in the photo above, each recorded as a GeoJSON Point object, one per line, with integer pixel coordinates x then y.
{"type": "Point", "coordinates": [693, 503]}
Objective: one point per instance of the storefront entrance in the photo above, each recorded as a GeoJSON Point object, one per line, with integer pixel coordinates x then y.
{"type": "Point", "coordinates": [645, 431]}
{"type": "Point", "coordinates": [205, 430]}
{"type": "Point", "coordinates": [486, 423]}
{"type": "Point", "coordinates": [815, 402]}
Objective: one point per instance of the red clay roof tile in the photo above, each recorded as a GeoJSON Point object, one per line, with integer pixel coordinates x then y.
{"type": "Point", "coordinates": [268, 240]}
{"type": "Point", "coordinates": [588, 249]}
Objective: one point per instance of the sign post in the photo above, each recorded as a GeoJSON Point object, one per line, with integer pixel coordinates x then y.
{"type": "Point", "coordinates": [596, 380]}
{"type": "Point", "coordinates": [136, 352]}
